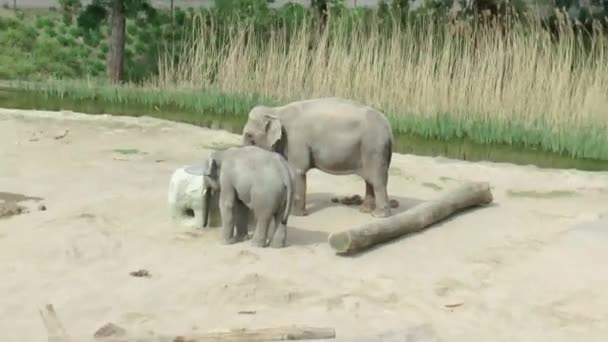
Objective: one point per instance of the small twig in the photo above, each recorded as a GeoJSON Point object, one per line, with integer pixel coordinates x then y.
{"type": "Point", "coordinates": [53, 326]}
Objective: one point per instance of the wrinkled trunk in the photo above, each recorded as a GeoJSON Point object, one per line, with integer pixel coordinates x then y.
{"type": "Point", "coordinates": [117, 42]}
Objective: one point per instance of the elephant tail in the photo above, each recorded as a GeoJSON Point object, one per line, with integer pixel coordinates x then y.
{"type": "Point", "coordinates": [388, 151]}
{"type": "Point", "coordinates": [287, 177]}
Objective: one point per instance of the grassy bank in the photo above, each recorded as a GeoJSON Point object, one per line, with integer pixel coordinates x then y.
{"type": "Point", "coordinates": [172, 110]}
{"type": "Point", "coordinates": [511, 83]}
{"type": "Point", "coordinates": [433, 79]}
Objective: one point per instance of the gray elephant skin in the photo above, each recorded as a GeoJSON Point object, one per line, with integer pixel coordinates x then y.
{"type": "Point", "coordinates": [335, 135]}
{"type": "Point", "coordinates": [250, 178]}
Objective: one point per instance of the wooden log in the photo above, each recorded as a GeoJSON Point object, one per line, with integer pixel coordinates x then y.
{"type": "Point", "coordinates": [113, 333]}
{"type": "Point", "coordinates": [413, 220]}
{"type": "Point", "coordinates": [287, 333]}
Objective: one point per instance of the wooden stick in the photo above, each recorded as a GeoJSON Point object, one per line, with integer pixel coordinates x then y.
{"type": "Point", "coordinates": [416, 219]}
{"type": "Point", "coordinates": [290, 333]}
{"type": "Point", "coordinates": [53, 325]}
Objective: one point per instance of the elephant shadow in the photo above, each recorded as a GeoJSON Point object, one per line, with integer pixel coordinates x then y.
{"type": "Point", "coordinates": [302, 237]}
{"type": "Point", "coordinates": [295, 236]}
{"type": "Point", "coordinates": [319, 201]}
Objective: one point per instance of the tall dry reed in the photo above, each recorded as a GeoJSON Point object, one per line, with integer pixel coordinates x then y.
{"type": "Point", "coordinates": [464, 73]}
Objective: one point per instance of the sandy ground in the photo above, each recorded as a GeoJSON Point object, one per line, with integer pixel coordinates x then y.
{"type": "Point", "coordinates": [531, 267]}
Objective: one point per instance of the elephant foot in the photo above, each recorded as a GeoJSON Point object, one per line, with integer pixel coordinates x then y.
{"type": "Point", "coordinates": [258, 243]}
{"type": "Point", "coordinates": [230, 241]}
{"type": "Point", "coordinates": [298, 211]}
{"type": "Point", "coordinates": [381, 213]}
{"type": "Point", "coordinates": [241, 238]}
{"type": "Point", "coordinates": [366, 208]}
{"type": "Point", "coordinates": [277, 244]}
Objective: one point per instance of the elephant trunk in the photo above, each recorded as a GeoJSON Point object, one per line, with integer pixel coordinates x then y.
{"type": "Point", "coordinates": [206, 206]}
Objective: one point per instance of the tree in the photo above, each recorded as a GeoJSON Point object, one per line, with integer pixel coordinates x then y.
{"type": "Point", "coordinates": [116, 54]}
{"type": "Point", "coordinates": [321, 7]}
{"type": "Point", "coordinates": [97, 11]}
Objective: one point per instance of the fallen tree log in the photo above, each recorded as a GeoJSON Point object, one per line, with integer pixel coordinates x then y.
{"type": "Point", "coordinates": [57, 333]}
{"type": "Point", "coordinates": [287, 333]}
{"type": "Point", "coordinates": [413, 220]}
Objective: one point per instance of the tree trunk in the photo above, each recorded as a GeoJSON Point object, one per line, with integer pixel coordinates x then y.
{"type": "Point", "coordinates": [172, 23]}
{"type": "Point", "coordinates": [321, 7]}
{"type": "Point", "coordinates": [414, 220]}
{"type": "Point", "coordinates": [116, 53]}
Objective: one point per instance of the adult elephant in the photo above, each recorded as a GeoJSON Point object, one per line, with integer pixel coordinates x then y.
{"type": "Point", "coordinates": [335, 135]}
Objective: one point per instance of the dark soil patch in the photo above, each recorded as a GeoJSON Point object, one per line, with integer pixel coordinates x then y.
{"type": "Point", "coordinates": [8, 209]}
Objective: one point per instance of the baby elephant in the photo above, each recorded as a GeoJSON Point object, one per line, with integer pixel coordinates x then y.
{"type": "Point", "coordinates": [250, 178]}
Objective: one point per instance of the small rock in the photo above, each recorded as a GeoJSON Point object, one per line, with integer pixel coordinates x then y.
{"type": "Point", "coordinates": [62, 134]}
{"type": "Point", "coordinates": [246, 312]}
{"type": "Point", "coordinates": [110, 329]}
{"type": "Point", "coordinates": [41, 207]}
{"type": "Point", "coordinates": [140, 273]}
{"type": "Point", "coordinates": [394, 203]}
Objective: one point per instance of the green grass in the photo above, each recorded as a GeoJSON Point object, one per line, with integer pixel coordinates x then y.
{"type": "Point", "coordinates": [477, 86]}
{"type": "Point", "coordinates": [581, 142]}
{"type": "Point", "coordinates": [40, 44]}
{"type": "Point", "coordinates": [217, 110]}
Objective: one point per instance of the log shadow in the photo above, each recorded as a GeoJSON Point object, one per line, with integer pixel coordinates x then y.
{"type": "Point", "coordinates": [398, 239]}
{"type": "Point", "coordinates": [319, 201]}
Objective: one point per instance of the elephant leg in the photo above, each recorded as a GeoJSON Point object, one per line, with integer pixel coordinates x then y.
{"type": "Point", "coordinates": [299, 198]}
{"type": "Point", "coordinates": [379, 183]}
{"type": "Point", "coordinates": [375, 164]}
{"type": "Point", "coordinates": [241, 219]}
{"type": "Point", "coordinates": [227, 198]}
{"type": "Point", "coordinates": [383, 208]}
{"type": "Point", "coordinates": [261, 230]}
{"type": "Point", "coordinates": [279, 237]}
{"type": "Point", "coordinates": [369, 203]}
{"type": "Point", "coordinates": [272, 228]}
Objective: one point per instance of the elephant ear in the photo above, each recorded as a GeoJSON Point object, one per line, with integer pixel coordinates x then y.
{"type": "Point", "coordinates": [273, 129]}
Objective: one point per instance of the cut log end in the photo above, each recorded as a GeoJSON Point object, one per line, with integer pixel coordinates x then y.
{"type": "Point", "coordinates": [340, 241]}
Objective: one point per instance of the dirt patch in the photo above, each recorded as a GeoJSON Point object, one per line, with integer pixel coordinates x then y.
{"type": "Point", "coordinates": [13, 197]}
{"type": "Point", "coordinates": [8, 209]}
{"type": "Point", "coordinates": [357, 200]}
{"type": "Point", "coordinates": [9, 204]}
